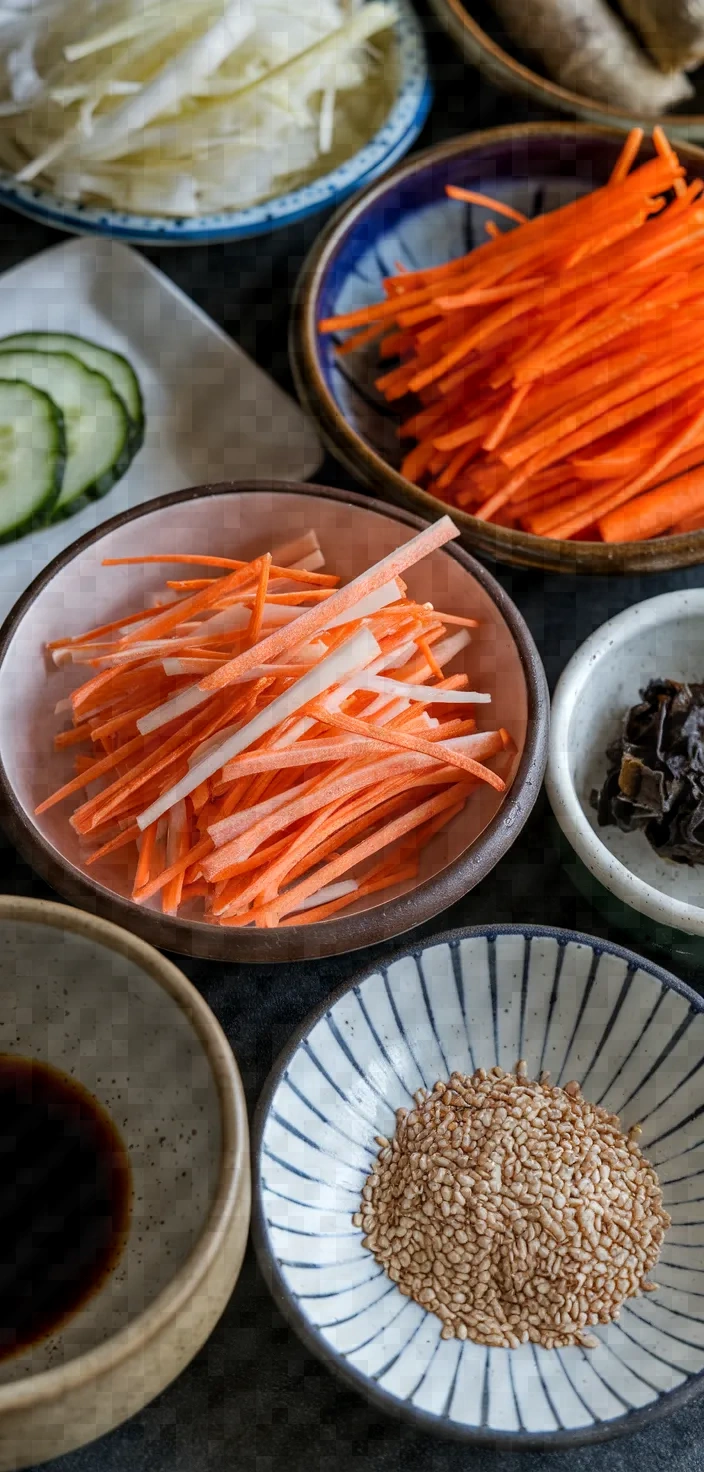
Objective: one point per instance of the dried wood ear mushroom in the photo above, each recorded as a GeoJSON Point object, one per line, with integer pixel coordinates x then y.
{"type": "Point", "coordinates": [514, 1210]}
{"type": "Point", "coordinates": [655, 778]}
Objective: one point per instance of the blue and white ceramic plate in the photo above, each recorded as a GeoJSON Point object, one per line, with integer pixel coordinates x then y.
{"type": "Point", "coordinates": [632, 1034]}
{"type": "Point", "coordinates": [402, 126]}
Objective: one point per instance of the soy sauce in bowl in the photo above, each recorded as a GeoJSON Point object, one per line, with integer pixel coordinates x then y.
{"type": "Point", "coordinates": [65, 1197]}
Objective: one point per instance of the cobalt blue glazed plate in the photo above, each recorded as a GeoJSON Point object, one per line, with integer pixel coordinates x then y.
{"type": "Point", "coordinates": [402, 126]}
{"type": "Point", "coordinates": [629, 1032]}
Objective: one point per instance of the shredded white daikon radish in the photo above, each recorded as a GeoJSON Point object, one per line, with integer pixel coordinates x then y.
{"type": "Point", "coordinates": [187, 107]}
{"type": "Point", "coordinates": [359, 650]}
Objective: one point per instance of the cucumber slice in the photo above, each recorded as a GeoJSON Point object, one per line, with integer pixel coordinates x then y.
{"type": "Point", "coordinates": [31, 458]}
{"type": "Point", "coordinates": [95, 420]}
{"type": "Point", "coordinates": [118, 371]}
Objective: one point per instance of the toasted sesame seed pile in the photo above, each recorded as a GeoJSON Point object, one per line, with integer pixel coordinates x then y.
{"type": "Point", "coordinates": [514, 1210]}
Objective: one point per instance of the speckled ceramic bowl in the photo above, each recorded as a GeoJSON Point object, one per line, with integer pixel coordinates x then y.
{"type": "Point", "coordinates": [661, 637]}
{"type": "Point", "coordinates": [629, 1032]}
{"type": "Point", "coordinates": [400, 111]}
{"type": "Point", "coordinates": [102, 1006]}
{"type": "Point", "coordinates": [407, 217]}
{"type": "Point", "coordinates": [75, 592]}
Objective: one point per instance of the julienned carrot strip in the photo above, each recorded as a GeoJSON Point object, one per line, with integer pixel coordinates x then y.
{"type": "Point", "coordinates": [117, 623]}
{"type": "Point", "coordinates": [198, 889]}
{"type": "Point", "coordinates": [354, 824]}
{"type": "Point", "coordinates": [255, 622]}
{"type": "Point", "coordinates": [270, 914]}
{"type": "Point", "coordinates": [655, 512]}
{"type": "Point", "coordinates": [425, 650]}
{"type": "Point", "coordinates": [693, 523]}
{"type": "Point", "coordinates": [335, 820]}
{"type": "Point", "coordinates": [258, 860]}
{"type": "Point", "coordinates": [384, 879]}
{"type": "Point", "coordinates": [291, 574]}
{"type": "Point", "coordinates": [498, 432]}
{"type": "Point", "coordinates": [97, 769]}
{"type": "Point", "coordinates": [314, 803]}
{"type": "Point", "coordinates": [186, 608]}
{"type": "Point", "coordinates": [669, 392]}
{"type": "Point", "coordinates": [162, 756]}
{"type": "Point", "coordinates": [128, 836]}
{"type": "Point", "coordinates": [72, 737]}
{"type": "Point", "coordinates": [563, 425]}
{"type": "Point", "coordinates": [409, 743]}
{"type": "Point", "coordinates": [471, 196]}
{"type": "Point", "coordinates": [380, 312]}
{"type": "Point", "coordinates": [594, 244]}
{"type": "Point", "coordinates": [186, 557]}
{"type": "Point", "coordinates": [358, 340]}
{"type": "Point", "coordinates": [592, 509]}
{"type": "Point", "coordinates": [144, 891]}
{"type": "Point", "coordinates": [330, 824]}
{"type": "Point", "coordinates": [663, 147]}
{"type": "Point", "coordinates": [118, 722]}
{"type": "Point", "coordinates": [159, 755]}
{"type": "Point", "coordinates": [302, 754]}
{"type": "Point", "coordinates": [146, 851]}
{"type": "Point", "coordinates": [456, 618]}
{"type": "Point", "coordinates": [200, 796]}
{"type": "Point", "coordinates": [417, 461]}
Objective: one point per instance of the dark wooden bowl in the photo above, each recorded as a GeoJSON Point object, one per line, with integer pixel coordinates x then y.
{"type": "Point", "coordinates": [481, 39]}
{"type": "Point", "coordinates": [534, 165]}
{"type": "Point", "coordinates": [75, 592]}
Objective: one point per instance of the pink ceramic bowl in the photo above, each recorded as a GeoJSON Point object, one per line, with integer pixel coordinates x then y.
{"type": "Point", "coordinates": [75, 593]}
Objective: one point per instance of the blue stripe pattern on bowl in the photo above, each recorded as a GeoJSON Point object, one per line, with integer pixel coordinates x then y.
{"type": "Point", "coordinates": [399, 131]}
{"type": "Point", "coordinates": [630, 1033]}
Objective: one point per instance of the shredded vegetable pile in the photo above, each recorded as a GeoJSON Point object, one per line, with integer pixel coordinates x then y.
{"type": "Point", "coordinates": [558, 366]}
{"type": "Point", "coordinates": [269, 742]}
{"type": "Point", "coordinates": [188, 107]}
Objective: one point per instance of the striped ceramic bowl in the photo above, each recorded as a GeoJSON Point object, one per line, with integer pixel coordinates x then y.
{"type": "Point", "coordinates": [632, 1034]}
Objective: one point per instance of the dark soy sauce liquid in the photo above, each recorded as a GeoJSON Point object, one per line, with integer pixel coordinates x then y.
{"type": "Point", "coordinates": [65, 1193]}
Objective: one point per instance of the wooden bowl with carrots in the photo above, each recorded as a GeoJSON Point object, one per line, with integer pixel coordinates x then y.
{"type": "Point", "coordinates": [507, 328]}
{"type": "Point", "coordinates": [268, 722]}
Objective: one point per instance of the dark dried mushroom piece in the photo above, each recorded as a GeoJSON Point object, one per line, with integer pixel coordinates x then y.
{"type": "Point", "coordinates": [655, 777]}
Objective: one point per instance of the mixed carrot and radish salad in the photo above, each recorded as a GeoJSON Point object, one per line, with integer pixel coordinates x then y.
{"type": "Point", "coordinates": [553, 379]}
{"type": "Point", "coordinates": [268, 742]}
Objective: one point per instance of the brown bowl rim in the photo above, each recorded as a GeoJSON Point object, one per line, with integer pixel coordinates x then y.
{"type": "Point", "coordinates": [519, 548]}
{"type": "Point", "coordinates": [345, 932]}
{"type": "Point", "coordinates": [488, 56]}
{"type": "Point", "coordinates": [233, 1186]}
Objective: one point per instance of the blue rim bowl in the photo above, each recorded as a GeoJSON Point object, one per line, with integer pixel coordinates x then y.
{"type": "Point", "coordinates": [400, 130]}
{"type": "Point", "coordinates": [582, 1008]}
{"type": "Point", "coordinates": [406, 217]}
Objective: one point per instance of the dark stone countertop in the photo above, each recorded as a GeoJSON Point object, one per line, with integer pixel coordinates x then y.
{"type": "Point", "coordinates": [254, 1400]}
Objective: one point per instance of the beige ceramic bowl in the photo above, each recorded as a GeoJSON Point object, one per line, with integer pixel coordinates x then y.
{"type": "Point", "coordinates": [95, 1002]}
